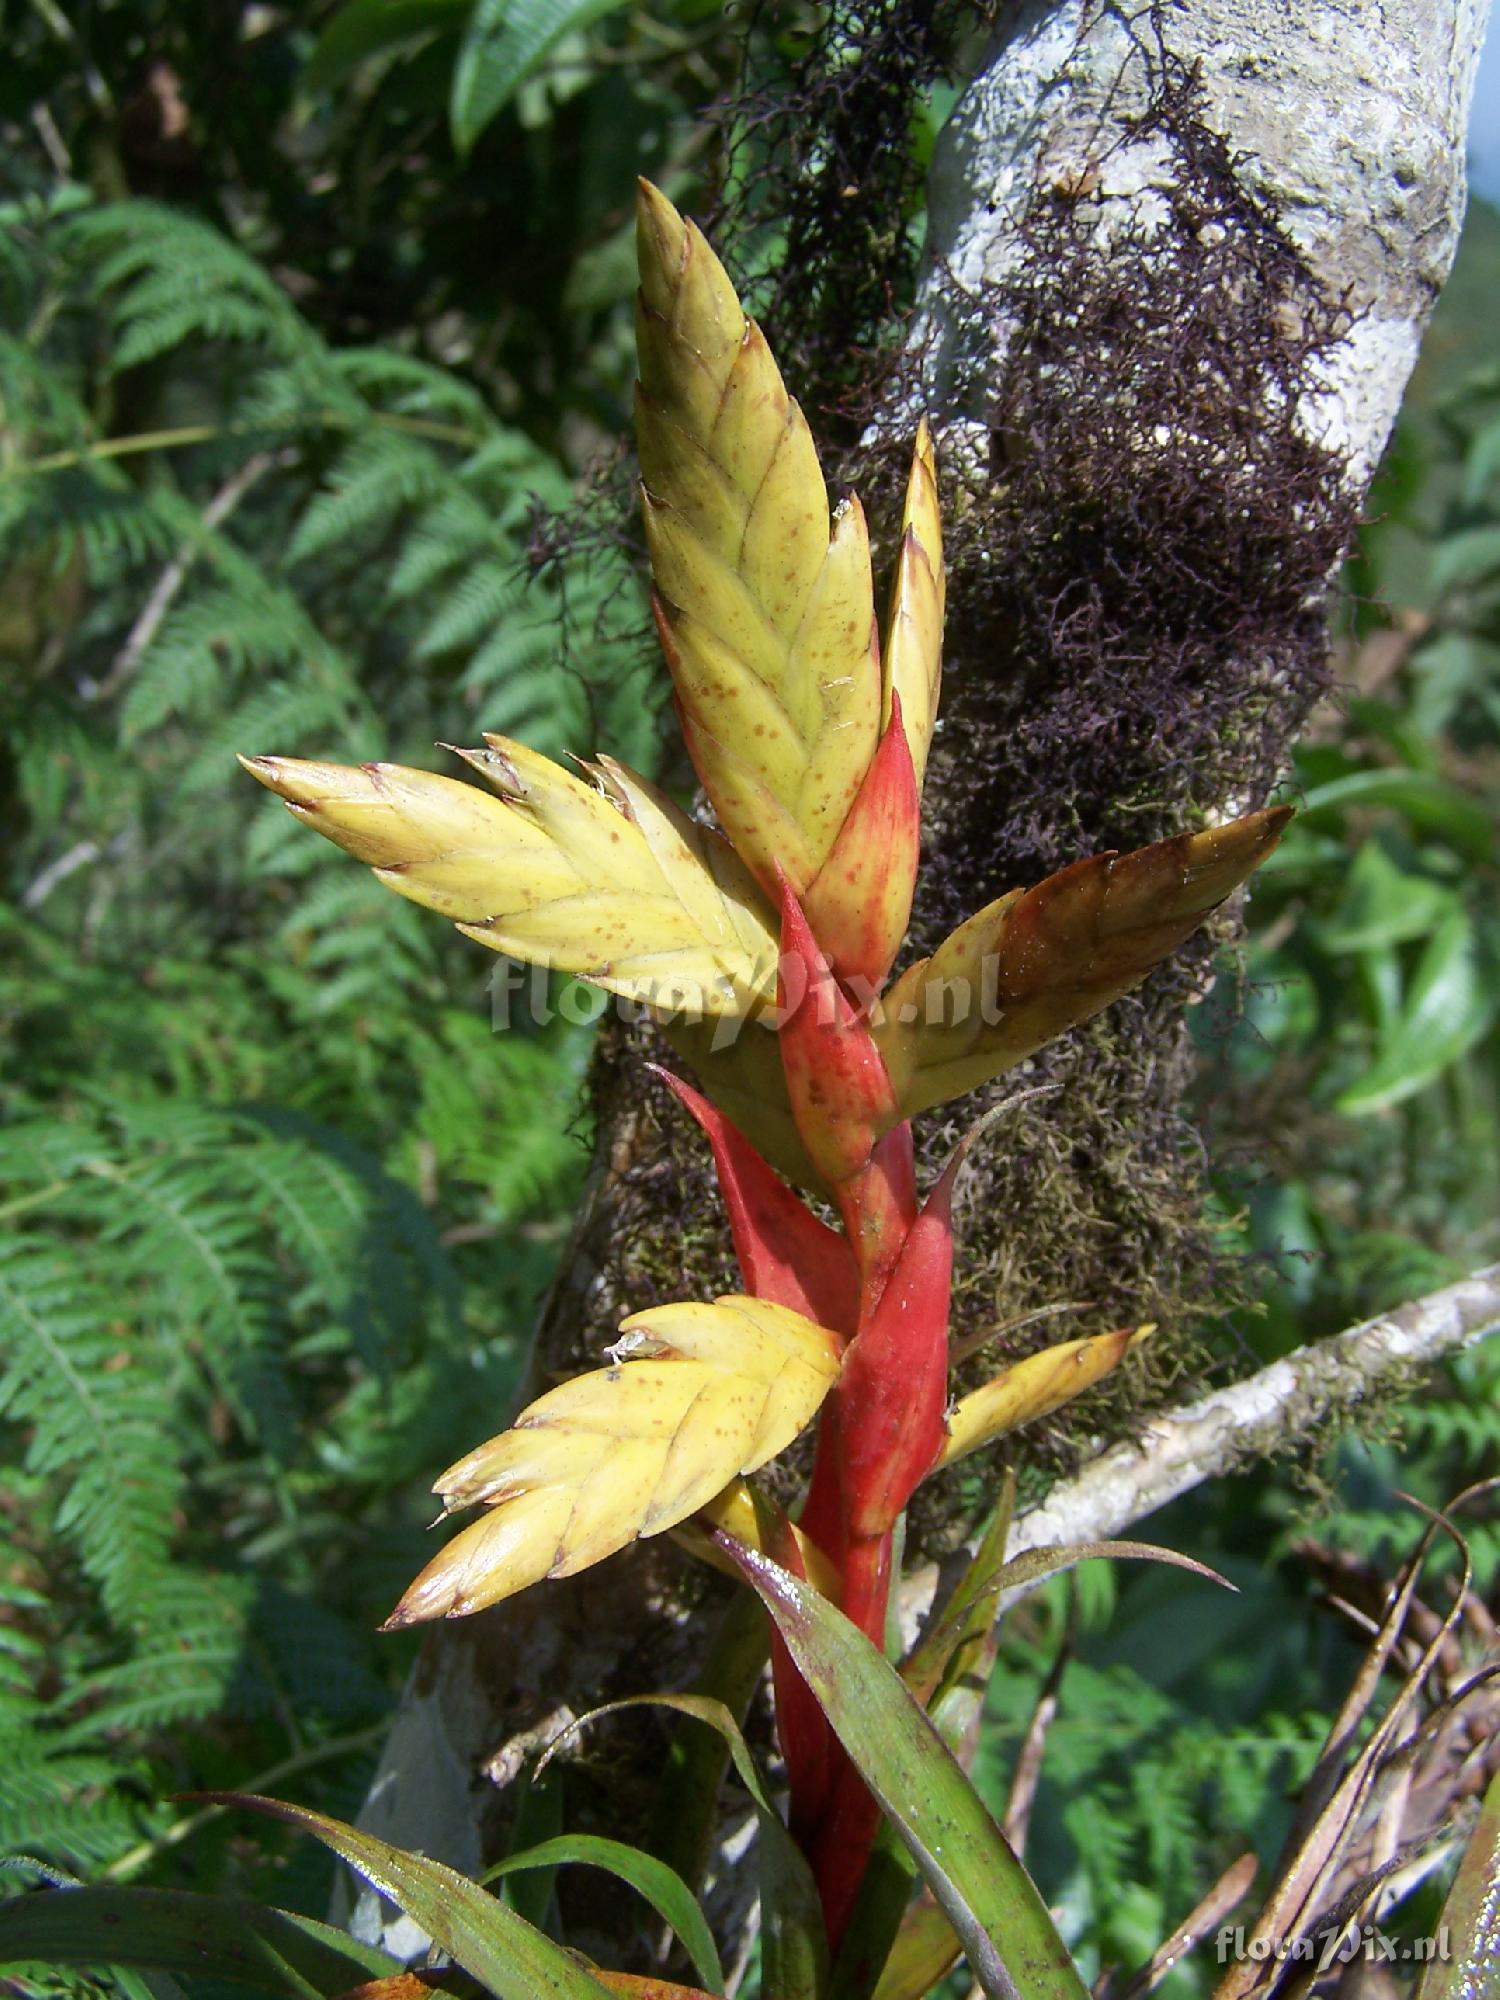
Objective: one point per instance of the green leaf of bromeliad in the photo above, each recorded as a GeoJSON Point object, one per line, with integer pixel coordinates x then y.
{"type": "Point", "coordinates": [501, 1950]}
{"type": "Point", "coordinates": [175, 1930]}
{"type": "Point", "coordinates": [662, 1887]}
{"type": "Point", "coordinates": [967, 1861]}
{"type": "Point", "coordinates": [794, 1946]}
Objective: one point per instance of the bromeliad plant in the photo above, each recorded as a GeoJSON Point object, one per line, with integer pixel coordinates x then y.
{"type": "Point", "coordinates": [765, 949]}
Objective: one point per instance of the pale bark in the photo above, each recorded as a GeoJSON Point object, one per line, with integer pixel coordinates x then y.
{"type": "Point", "coordinates": [1347, 117]}
{"type": "Point", "coordinates": [1351, 118]}
{"type": "Point", "coordinates": [1235, 1426]}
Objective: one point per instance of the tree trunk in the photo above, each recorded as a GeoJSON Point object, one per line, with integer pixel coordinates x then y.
{"type": "Point", "coordinates": [1178, 268]}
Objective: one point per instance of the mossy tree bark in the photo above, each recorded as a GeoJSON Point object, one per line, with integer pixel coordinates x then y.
{"type": "Point", "coordinates": [1179, 265]}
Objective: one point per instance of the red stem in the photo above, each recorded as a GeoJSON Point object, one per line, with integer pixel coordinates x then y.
{"type": "Point", "coordinates": [849, 1513]}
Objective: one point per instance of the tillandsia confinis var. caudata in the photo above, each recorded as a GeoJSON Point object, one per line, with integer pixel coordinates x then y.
{"type": "Point", "coordinates": [765, 949]}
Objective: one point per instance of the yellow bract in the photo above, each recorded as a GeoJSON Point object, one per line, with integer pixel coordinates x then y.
{"type": "Point", "coordinates": [1034, 963]}
{"type": "Point", "coordinates": [755, 1523]}
{"type": "Point", "coordinates": [914, 632]}
{"type": "Point", "coordinates": [767, 618]}
{"type": "Point", "coordinates": [1033, 1387]}
{"type": "Point", "coordinates": [699, 1395]}
{"type": "Point", "coordinates": [614, 884]}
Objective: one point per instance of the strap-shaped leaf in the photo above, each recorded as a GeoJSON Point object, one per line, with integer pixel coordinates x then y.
{"type": "Point", "coordinates": [509, 1957]}
{"type": "Point", "coordinates": [699, 1394]}
{"type": "Point", "coordinates": [1033, 964]}
{"type": "Point", "coordinates": [661, 1886]}
{"type": "Point", "coordinates": [614, 884]}
{"type": "Point", "coordinates": [914, 632]}
{"type": "Point", "coordinates": [179, 1930]}
{"type": "Point", "coordinates": [766, 619]}
{"type": "Point", "coordinates": [1004, 1926]}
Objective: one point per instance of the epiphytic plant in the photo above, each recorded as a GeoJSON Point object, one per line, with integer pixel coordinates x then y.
{"type": "Point", "coordinates": [765, 950]}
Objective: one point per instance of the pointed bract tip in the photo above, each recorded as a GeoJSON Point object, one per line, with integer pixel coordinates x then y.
{"type": "Point", "coordinates": [296, 781]}
{"type": "Point", "coordinates": [661, 238]}
{"type": "Point", "coordinates": [421, 1603]}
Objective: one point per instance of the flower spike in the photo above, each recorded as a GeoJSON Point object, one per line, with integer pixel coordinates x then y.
{"type": "Point", "coordinates": [765, 607]}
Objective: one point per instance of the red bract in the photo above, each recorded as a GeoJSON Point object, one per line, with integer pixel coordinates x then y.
{"type": "Point", "coordinates": [785, 1253]}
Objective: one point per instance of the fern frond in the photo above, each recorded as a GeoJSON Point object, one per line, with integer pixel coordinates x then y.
{"type": "Point", "coordinates": [172, 278]}
{"type": "Point", "coordinates": [412, 387]}
{"type": "Point", "coordinates": [378, 477]}
{"type": "Point", "coordinates": [472, 608]}
{"type": "Point", "coordinates": [89, 1393]}
{"type": "Point", "coordinates": [453, 530]}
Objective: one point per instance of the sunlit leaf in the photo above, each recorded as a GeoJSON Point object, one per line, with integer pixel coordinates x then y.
{"type": "Point", "coordinates": [1008, 1936]}
{"type": "Point", "coordinates": [1426, 800]}
{"type": "Point", "coordinates": [662, 1887]}
{"type": "Point", "coordinates": [1385, 904]}
{"type": "Point", "coordinates": [1450, 1003]}
{"type": "Point", "coordinates": [505, 1953]}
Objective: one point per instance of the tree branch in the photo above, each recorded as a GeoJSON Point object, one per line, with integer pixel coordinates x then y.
{"type": "Point", "coordinates": [1246, 1422]}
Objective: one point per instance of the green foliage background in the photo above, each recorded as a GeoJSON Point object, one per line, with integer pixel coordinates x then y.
{"type": "Point", "coordinates": [316, 326]}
